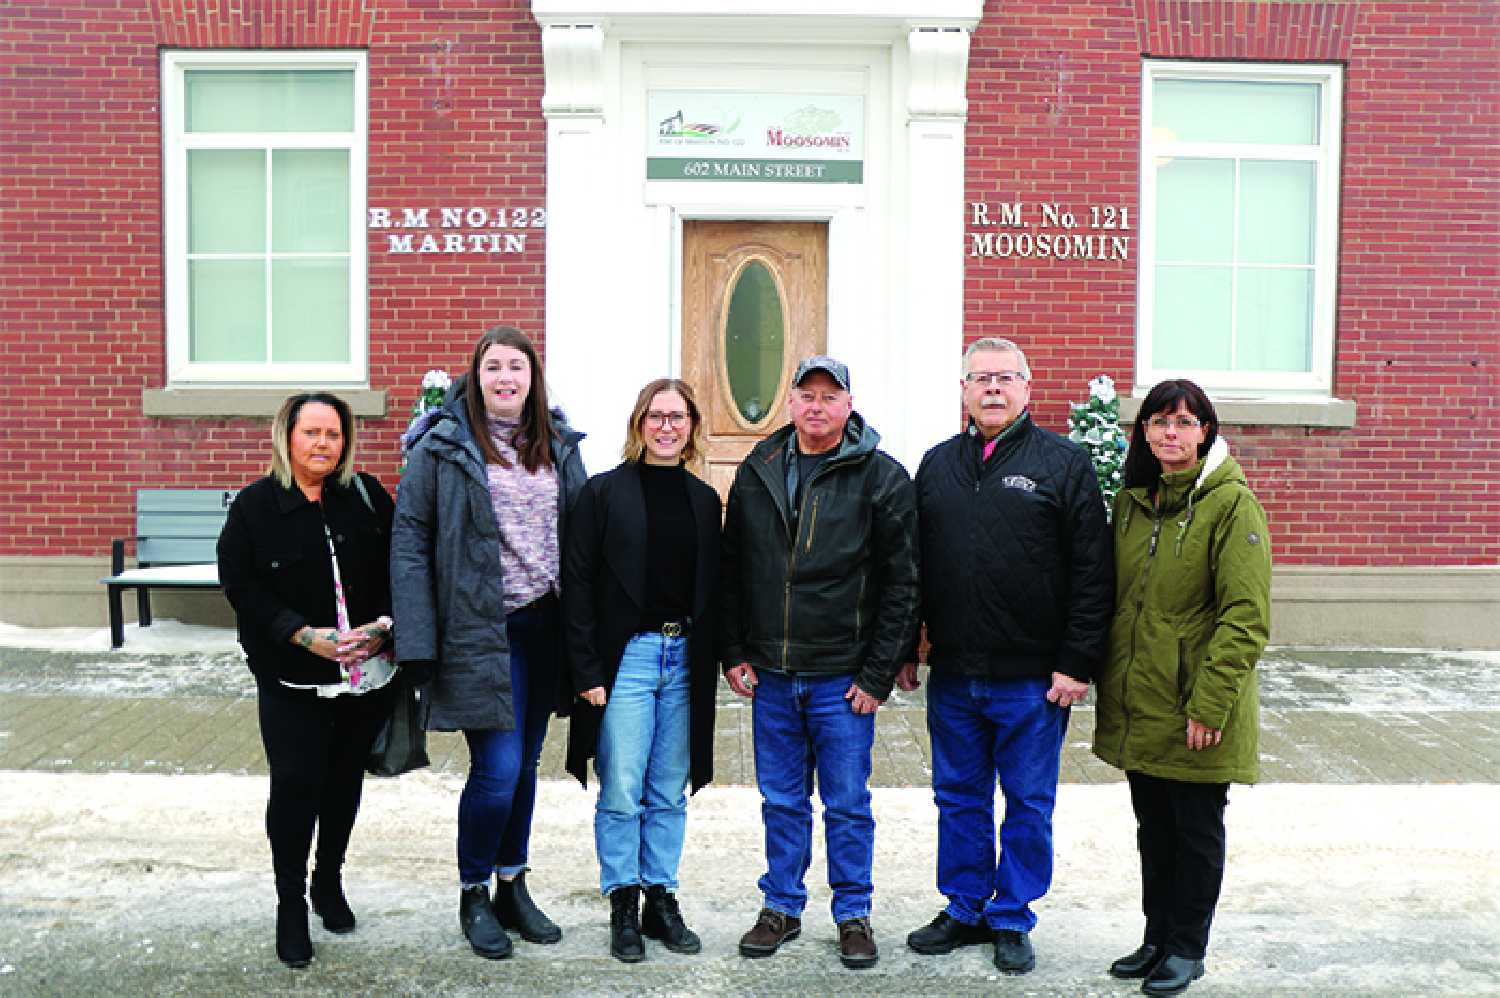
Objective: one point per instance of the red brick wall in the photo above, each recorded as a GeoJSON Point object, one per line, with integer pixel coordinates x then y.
{"type": "Point", "coordinates": [454, 110]}
{"type": "Point", "coordinates": [454, 120]}
{"type": "Point", "coordinates": [1054, 91]}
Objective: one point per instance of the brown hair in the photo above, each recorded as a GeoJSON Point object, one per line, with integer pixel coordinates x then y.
{"type": "Point", "coordinates": [1143, 467]}
{"type": "Point", "coordinates": [635, 437]}
{"type": "Point", "coordinates": [533, 438]}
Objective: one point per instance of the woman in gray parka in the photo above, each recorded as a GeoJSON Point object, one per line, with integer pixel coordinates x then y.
{"type": "Point", "coordinates": [474, 582]}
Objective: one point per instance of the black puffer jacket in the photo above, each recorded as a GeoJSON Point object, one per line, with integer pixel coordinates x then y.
{"type": "Point", "coordinates": [1017, 560]}
{"type": "Point", "coordinates": [837, 593]}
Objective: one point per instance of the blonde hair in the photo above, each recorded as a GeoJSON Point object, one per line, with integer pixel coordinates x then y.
{"type": "Point", "coordinates": [286, 421]}
{"type": "Point", "coordinates": [635, 437]}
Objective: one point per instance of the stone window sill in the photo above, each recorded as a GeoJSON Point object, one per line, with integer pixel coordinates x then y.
{"type": "Point", "coordinates": [1327, 413]}
{"type": "Point", "coordinates": [210, 403]}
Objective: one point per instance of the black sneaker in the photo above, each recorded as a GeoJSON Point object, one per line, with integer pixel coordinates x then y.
{"type": "Point", "coordinates": [1013, 952]}
{"type": "Point", "coordinates": [945, 934]}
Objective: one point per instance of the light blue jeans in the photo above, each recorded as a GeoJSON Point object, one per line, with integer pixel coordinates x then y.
{"type": "Point", "coordinates": [643, 763]}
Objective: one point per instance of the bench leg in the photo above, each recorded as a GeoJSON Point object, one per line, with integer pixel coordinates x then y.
{"type": "Point", "coordinates": [143, 605]}
{"type": "Point", "coordinates": [116, 617]}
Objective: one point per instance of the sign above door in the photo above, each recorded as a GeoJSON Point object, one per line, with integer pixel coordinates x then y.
{"type": "Point", "coordinates": [755, 137]}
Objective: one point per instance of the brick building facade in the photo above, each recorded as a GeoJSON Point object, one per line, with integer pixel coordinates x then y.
{"type": "Point", "coordinates": [1377, 468]}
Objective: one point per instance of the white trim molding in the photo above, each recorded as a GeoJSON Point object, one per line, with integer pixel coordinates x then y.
{"type": "Point", "coordinates": [895, 270]}
{"type": "Point", "coordinates": [1160, 145]}
{"type": "Point", "coordinates": [182, 370]}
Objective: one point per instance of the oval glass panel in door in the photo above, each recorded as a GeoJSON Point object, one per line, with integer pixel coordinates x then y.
{"type": "Point", "coordinates": [754, 342]}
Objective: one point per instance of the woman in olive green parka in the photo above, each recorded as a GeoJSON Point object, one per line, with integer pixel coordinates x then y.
{"type": "Point", "coordinates": [1178, 708]}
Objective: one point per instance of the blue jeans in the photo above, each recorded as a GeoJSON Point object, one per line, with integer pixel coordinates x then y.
{"type": "Point", "coordinates": [643, 763]}
{"type": "Point", "coordinates": [494, 810]}
{"type": "Point", "coordinates": [803, 725]}
{"type": "Point", "coordinates": [980, 728]}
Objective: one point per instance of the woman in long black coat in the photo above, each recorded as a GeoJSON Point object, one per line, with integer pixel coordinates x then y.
{"type": "Point", "coordinates": [640, 570]}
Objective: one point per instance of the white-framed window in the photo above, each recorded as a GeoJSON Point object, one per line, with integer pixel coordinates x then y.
{"type": "Point", "coordinates": [264, 158]}
{"type": "Point", "coordinates": [1239, 225]}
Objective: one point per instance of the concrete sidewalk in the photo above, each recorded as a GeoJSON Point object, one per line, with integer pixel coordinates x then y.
{"type": "Point", "coordinates": [132, 859]}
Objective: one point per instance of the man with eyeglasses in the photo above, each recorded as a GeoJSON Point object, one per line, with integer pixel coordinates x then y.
{"type": "Point", "coordinates": [819, 604]}
{"type": "Point", "coordinates": [1017, 593]}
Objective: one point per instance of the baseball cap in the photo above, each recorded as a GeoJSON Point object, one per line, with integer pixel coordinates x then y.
{"type": "Point", "coordinates": [821, 362]}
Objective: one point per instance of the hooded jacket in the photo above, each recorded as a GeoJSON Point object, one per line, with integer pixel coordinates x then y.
{"type": "Point", "coordinates": [1193, 579]}
{"type": "Point", "coordinates": [447, 586]}
{"type": "Point", "coordinates": [833, 590]}
{"type": "Point", "coordinates": [1016, 579]}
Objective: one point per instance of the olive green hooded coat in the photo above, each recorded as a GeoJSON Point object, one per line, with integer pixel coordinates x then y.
{"type": "Point", "coordinates": [1192, 614]}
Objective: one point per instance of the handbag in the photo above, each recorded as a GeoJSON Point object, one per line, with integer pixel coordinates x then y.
{"type": "Point", "coordinates": [401, 745]}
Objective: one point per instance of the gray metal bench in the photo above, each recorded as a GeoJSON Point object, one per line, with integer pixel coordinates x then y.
{"type": "Point", "coordinates": [176, 537]}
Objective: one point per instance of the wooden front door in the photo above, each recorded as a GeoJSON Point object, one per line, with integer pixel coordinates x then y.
{"type": "Point", "coordinates": [754, 303]}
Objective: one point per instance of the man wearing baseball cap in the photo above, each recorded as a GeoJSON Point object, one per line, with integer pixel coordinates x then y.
{"type": "Point", "coordinates": [820, 603]}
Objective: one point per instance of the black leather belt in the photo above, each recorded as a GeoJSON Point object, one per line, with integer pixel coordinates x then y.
{"type": "Point", "coordinates": [672, 628]}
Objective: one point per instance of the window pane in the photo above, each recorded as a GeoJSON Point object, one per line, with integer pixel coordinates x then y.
{"type": "Point", "coordinates": [1194, 210]}
{"type": "Point", "coordinates": [1191, 324]}
{"type": "Point", "coordinates": [227, 303]}
{"type": "Point", "coordinates": [267, 100]}
{"type": "Point", "coordinates": [310, 200]}
{"type": "Point", "coordinates": [754, 340]}
{"type": "Point", "coordinates": [1273, 320]}
{"type": "Point", "coordinates": [310, 310]}
{"type": "Point", "coordinates": [1277, 205]}
{"type": "Point", "coordinates": [226, 200]}
{"type": "Point", "coordinates": [1217, 111]}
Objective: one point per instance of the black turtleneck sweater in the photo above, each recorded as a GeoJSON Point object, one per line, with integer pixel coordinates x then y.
{"type": "Point", "coordinates": [671, 545]}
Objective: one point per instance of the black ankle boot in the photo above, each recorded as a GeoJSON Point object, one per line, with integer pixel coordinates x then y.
{"type": "Point", "coordinates": [327, 895]}
{"type": "Point", "coordinates": [625, 942]}
{"type": "Point", "coordinates": [517, 912]}
{"type": "Point", "coordinates": [293, 945]}
{"type": "Point", "coordinates": [478, 920]}
{"type": "Point", "coordinates": [662, 920]}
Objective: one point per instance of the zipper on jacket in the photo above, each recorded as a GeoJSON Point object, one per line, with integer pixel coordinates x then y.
{"type": "Point", "coordinates": [812, 523]}
{"type": "Point", "coordinates": [1135, 628]}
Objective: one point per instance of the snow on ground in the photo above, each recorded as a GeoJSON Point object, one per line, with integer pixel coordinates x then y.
{"type": "Point", "coordinates": [1330, 889]}
{"type": "Point", "coordinates": [163, 637]}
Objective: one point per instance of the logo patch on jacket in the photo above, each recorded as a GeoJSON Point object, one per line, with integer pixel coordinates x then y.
{"type": "Point", "coordinates": [1018, 482]}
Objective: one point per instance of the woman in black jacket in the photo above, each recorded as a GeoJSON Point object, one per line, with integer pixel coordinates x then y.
{"type": "Point", "coordinates": [303, 559]}
{"type": "Point", "coordinates": [640, 571]}
{"type": "Point", "coordinates": [475, 564]}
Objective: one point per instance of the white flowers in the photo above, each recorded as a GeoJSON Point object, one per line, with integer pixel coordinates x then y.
{"type": "Point", "coordinates": [1103, 388]}
{"type": "Point", "coordinates": [436, 379]}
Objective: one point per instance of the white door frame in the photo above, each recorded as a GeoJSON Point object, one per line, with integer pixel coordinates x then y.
{"type": "Point", "coordinates": [614, 239]}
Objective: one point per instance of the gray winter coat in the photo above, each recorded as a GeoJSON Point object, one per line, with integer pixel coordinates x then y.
{"type": "Point", "coordinates": [447, 588]}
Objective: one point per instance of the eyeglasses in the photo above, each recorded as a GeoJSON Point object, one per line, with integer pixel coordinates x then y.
{"type": "Point", "coordinates": [658, 419]}
{"type": "Point", "coordinates": [1002, 378]}
{"type": "Point", "coordinates": [1177, 422]}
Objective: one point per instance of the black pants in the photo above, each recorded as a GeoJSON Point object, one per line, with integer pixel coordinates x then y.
{"type": "Point", "coordinates": [1180, 833]}
{"type": "Point", "coordinates": [316, 748]}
